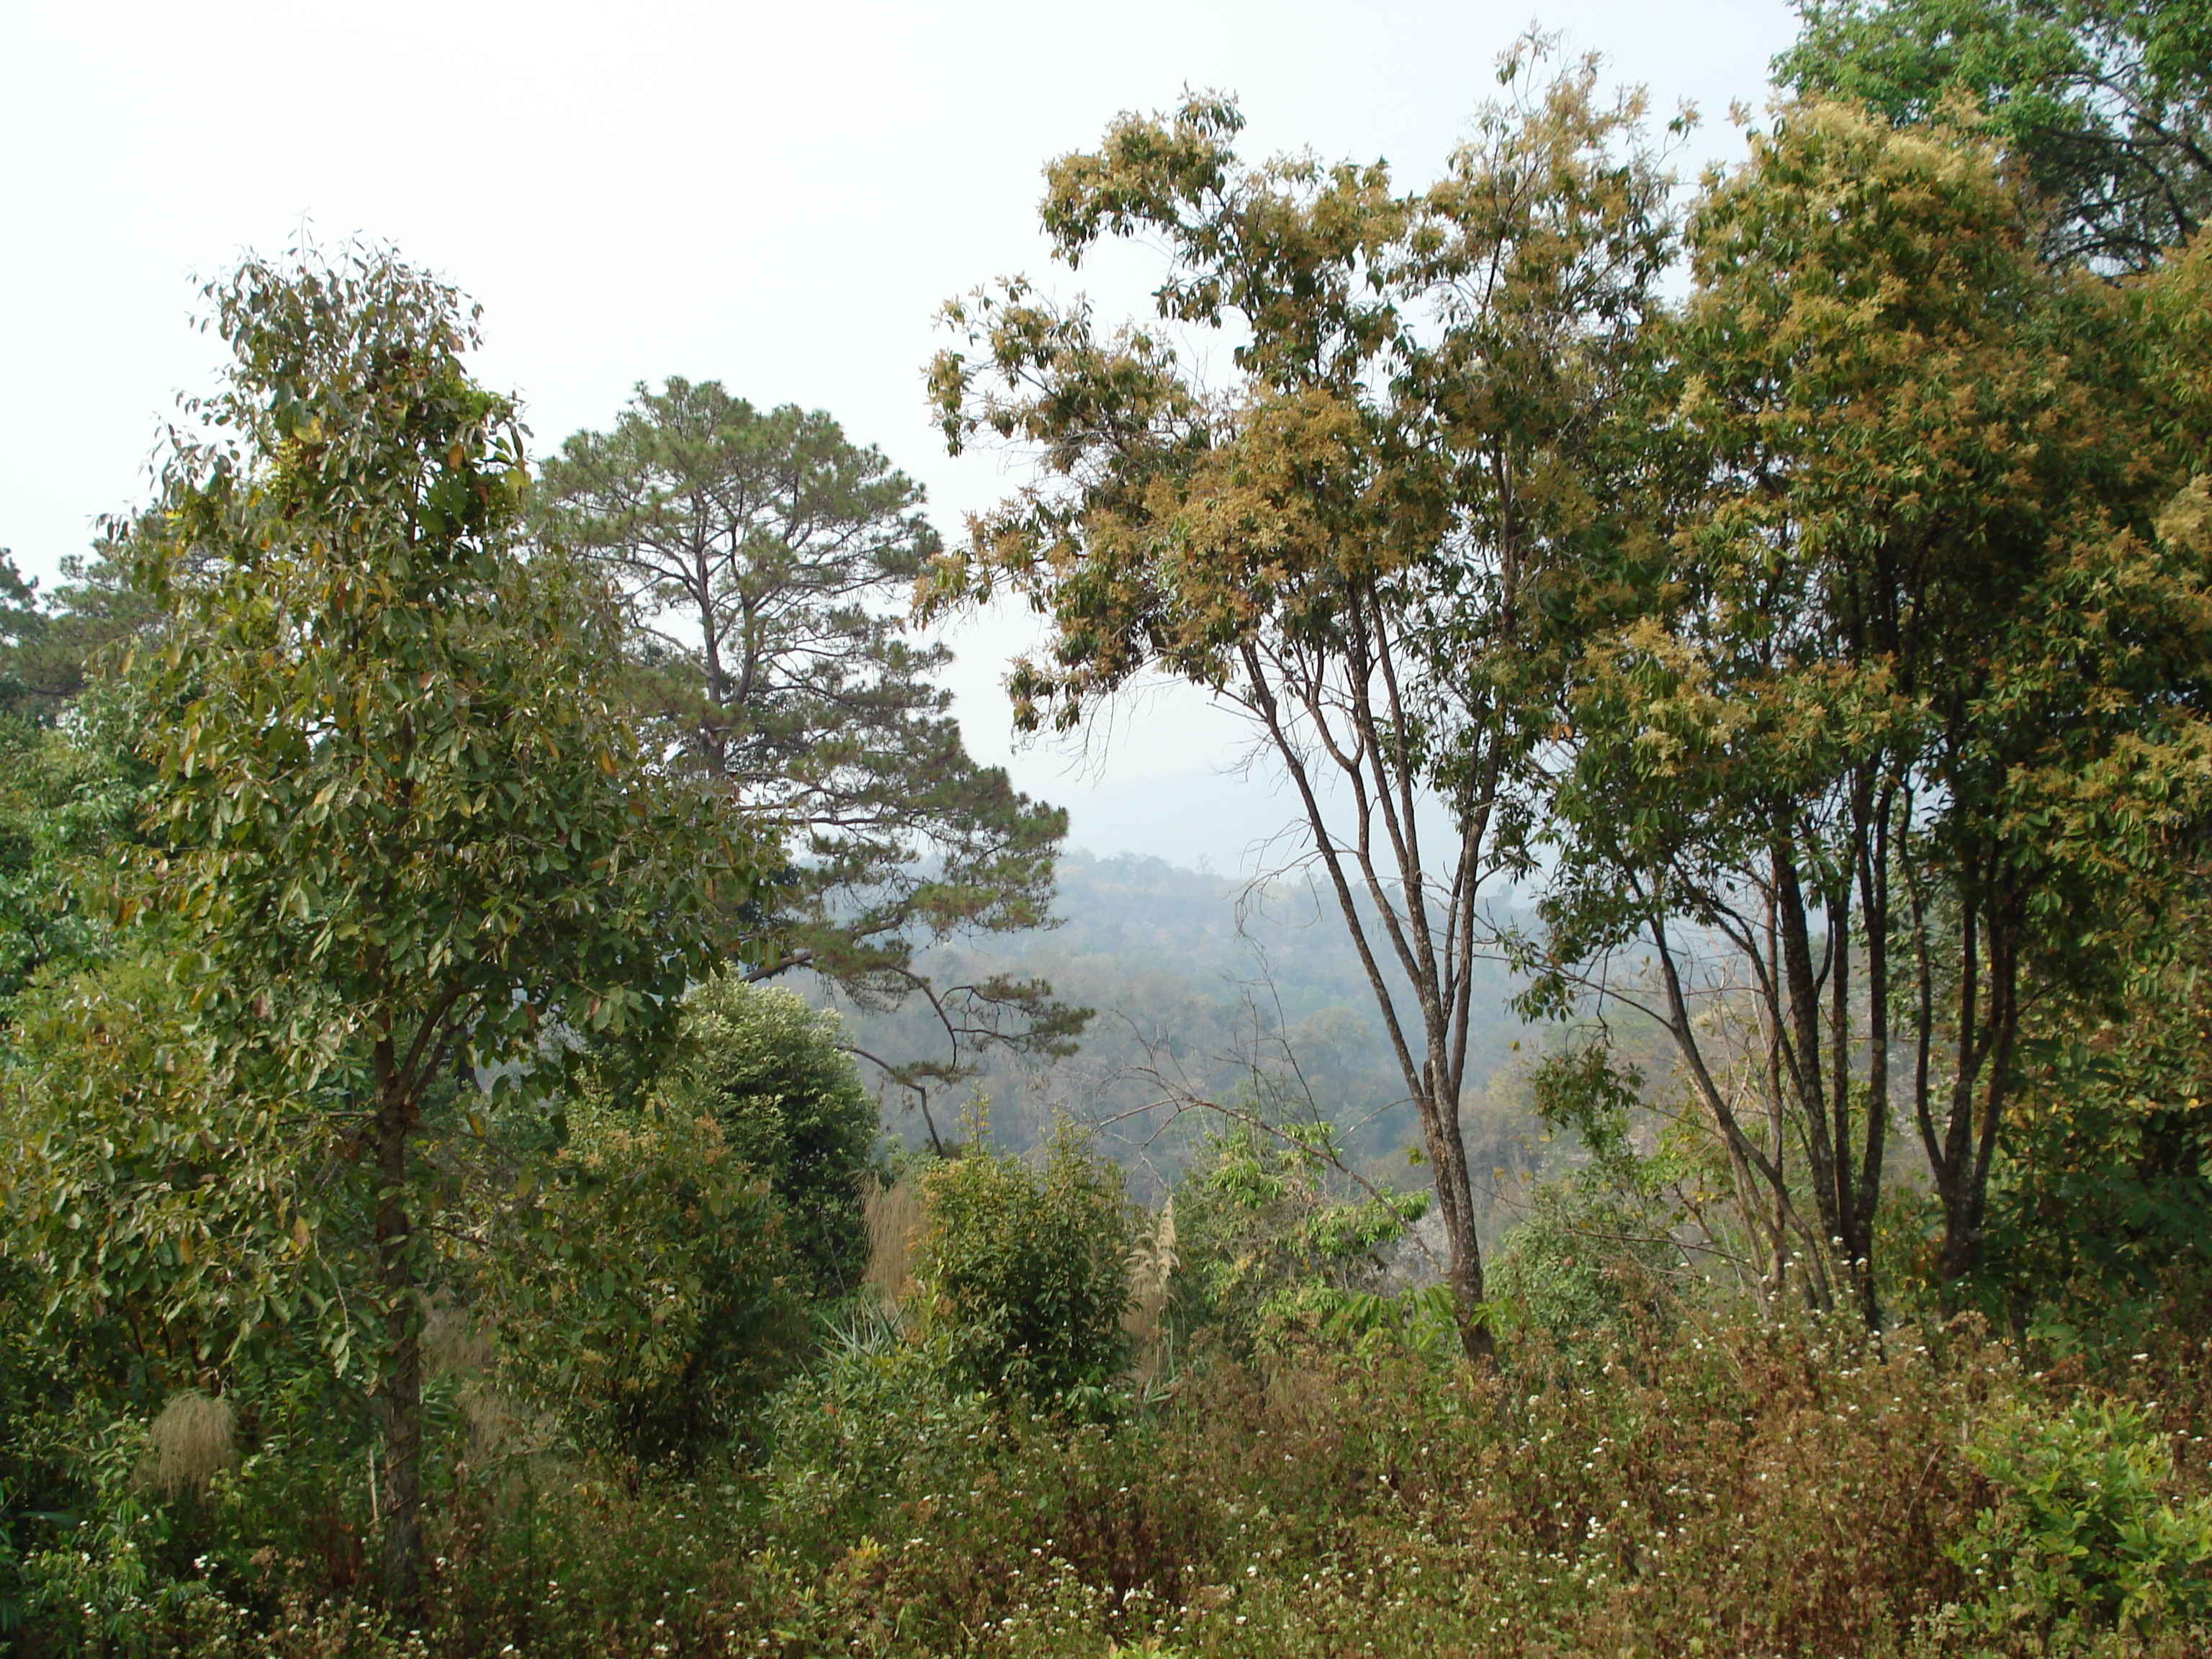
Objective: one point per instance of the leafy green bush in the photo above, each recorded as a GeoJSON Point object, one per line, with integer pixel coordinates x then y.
{"type": "Point", "coordinates": [878, 1423]}
{"type": "Point", "coordinates": [1023, 1272]}
{"type": "Point", "coordinates": [1567, 1271]}
{"type": "Point", "coordinates": [2084, 1536]}
{"type": "Point", "coordinates": [1582, 1269]}
{"type": "Point", "coordinates": [1272, 1235]}
{"type": "Point", "coordinates": [649, 1292]}
{"type": "Point", "coordinates": [775, 1074]}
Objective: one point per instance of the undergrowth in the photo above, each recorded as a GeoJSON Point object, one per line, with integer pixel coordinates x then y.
{"type": "Point", "coordinates": [1799, 1488]}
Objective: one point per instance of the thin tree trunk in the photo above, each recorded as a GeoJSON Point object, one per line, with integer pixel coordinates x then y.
{"type": "Point", "coordinates": [1966, 1205]}
{"type": "Point", "coordinates": [1434, 1094]}
{"type": "Point", "coordinates": [1777, 1130]}
{"type": "Point", "coordinates": [1802, 1045]}
{"type": "Point", "coordinates": [716, 747]}
{"type": "Point", "coordinates": [1874, 907]}
{"type": "Point", "coordinates": [1447, 1150]}
{"type": "Point", "coordinates": [400, 1385]}
{"type": "Point", "coordinates": [1839, 1089]}
{"type": "Point", "coordinates": [1682, 1028]}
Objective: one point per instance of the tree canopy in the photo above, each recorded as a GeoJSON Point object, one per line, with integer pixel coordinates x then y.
{"type": "Point", "coordinates": [403, 822]}
{"type": "Point", "coordinates": [1904, 603]}
{"type": "Point", "coordinates": [2100, 104]}
{"type": "Point", "coordinates": [1349, 543]}
{"type": "Point", "coordinates": [765, 562]}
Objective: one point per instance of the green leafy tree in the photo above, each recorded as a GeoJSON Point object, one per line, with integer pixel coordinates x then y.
{"type": "Point", "coordinates": [764, 562]}
{"type": "Point", "coordinates": [646, 1288]}
{"type": "Point", "coordinates": [2101, 103]}
{"type": "Point", "coordinates": [23, 625]}
{"type": "Point", "coordinates": [2101, 1206]}
{"type": "Point", "coordinates": [1906, 687]}
{"type": "Point", "coordinates": [69, 787]}
{"type": "Point", "coordinates": [2101, 1202]}
{"type": "Point", "coordinates": [407, 824]}
{"type": "Point", "coordinates": [1349, 543]}
{"type": "Point", "coordinates": [1596, 1243]}
{"type": "Point", "coordinates": [142, 1215]}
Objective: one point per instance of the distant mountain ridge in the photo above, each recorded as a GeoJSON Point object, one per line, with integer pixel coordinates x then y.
{"type": "Point", "coordinates": [1196, 976]}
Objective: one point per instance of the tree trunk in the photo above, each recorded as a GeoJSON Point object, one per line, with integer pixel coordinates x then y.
{"type": "Point", "coordinates": [399, 1380]}
{"type": "Point", "coordinates": [1965, 1193]}
{"type": "Point", "coordinates": [1798, 1017]}
{"type": "Point", "coordinates": [1439, 997]}
{"type": "Point", "coordinates": [1767, 1165]}
{"type": "Point", "coordinates": [1447, 1152]}
{"type": "Point", "coordinates": [1988, 1024]}
{"type": "Point", "coordinates": [1873, 853]}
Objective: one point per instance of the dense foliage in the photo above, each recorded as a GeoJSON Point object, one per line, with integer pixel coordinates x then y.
{"type": "Point", "coordinates": [777, 1079]}
{"type": "Point", "coordinates": [2101, 102]}
{"type": "Point", "coordinates": [1022, 1273]}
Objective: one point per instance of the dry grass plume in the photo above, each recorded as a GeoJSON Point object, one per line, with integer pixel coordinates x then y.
{"type": "Point", "coordinates": [1151, 1267]}
{"type": "Point", "coordinates": [193, 1443]}
{"type": "Point", "coordinates": [893, 1216]}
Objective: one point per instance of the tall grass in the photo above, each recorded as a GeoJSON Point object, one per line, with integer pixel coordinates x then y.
{"type": "Point", "coordinates": [1725, 1486]}
{"type": "Point", "coordinates": [893, 1216]}
{"type": "Point", "coordinates": [1151, 1274]}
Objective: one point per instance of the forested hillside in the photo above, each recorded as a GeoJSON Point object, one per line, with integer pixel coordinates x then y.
{"type": "Point", "coordinates": [1199, 982]}
{"type": "Point", "coordinates": [1707, 1153]}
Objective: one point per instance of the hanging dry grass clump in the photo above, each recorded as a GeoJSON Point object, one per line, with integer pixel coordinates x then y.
{"type": "Point", "coordinates": [193, 1443]}
{"type": "Point", "coordinates": [1151, 1265]}
{"type": "Point", "coordinates": [452, 1346]}
{"type": "Point", "coordinates": [893, 1215]}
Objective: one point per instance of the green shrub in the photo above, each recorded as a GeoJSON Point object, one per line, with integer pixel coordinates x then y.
{"type": "Point", "coordinates": [1023, 1272]}
{"type": "Point", "coordinates": [1584, 1268]}
{"type": "Point", "coordinates": [1577, 1271]}
{"type": "Point", "coordinates": [2083, 1537]}
{"type": "Point", "coordinates": [774, 1074]}
{"type": "Point", "coordinates": [649, 1293]}
{"type": "Point", "coordinates": [876, 1426]}
{"type": "Point", "coordinates": [1272, 1235]}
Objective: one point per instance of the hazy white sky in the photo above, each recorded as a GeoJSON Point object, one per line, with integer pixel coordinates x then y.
{"type": "Point", "coordinates": [777, 196]}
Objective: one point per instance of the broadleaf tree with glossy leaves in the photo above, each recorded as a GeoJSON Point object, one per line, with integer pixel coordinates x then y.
{"type": "Point", "coordinates": [409, 825]}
